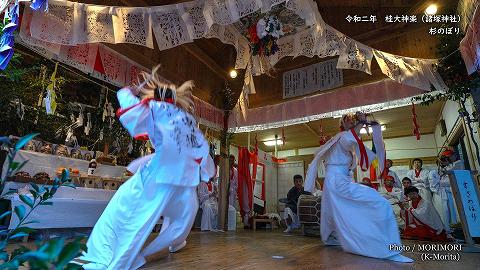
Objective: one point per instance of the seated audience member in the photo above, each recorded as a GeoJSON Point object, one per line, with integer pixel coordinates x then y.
{"type": "Point", "coordinates": [208, 203]}
{"type": "Point", "coordinates": [290, 215]}
{"type": "Point", "coordinates": [366, 182]}
{"type": "Point", "coordinates": [389, 172]}
{"type": "Point", "coordinates": [406, 182]}
{"type": "Point", "coordinates": [420, 179]}
{"type": "Point", "coordinates": [421, 219]}
{"type": "Point", "coordinates": [394, 195]}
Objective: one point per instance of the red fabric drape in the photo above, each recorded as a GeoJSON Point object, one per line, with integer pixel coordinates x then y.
{"type": "Point", "coordinates": [363, 151]}
{"type": "Point", "coordinates": [245, 158]}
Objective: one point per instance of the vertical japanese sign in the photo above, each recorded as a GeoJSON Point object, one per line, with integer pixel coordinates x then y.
{"type": "Point", "coordinates": [313, 78]}
{"type": "Point", "coordinates": [470, 202]}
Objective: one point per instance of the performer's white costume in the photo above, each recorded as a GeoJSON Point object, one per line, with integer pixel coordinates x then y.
{"type": "Point", "coordinates": [165, 186]}
{"type": "Point", "coordinates": [209, 207]}
{"type": "Point", "coordinates": [394, 196]}
{"type": "Point", "coordinates": [442, 194]}
{"type": "Point", "coordinates": [421, 182]}
{"type": "Point", "coordinates": [358, 216]}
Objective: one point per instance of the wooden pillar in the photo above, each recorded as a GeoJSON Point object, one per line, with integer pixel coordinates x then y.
{"type": "Point", "coordinates": [224, 183]}
{"type": "Point", "coordinates": [223, 191]}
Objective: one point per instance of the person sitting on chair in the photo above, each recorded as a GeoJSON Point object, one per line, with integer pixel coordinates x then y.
{"type": "Point", "coordinates": [208, 203]}
{"type": "Point", "coordinates": [290, 215]}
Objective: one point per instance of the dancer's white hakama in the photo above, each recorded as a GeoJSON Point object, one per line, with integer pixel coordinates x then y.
{"type": "Point", "coordinates": [356, 215]}
{"type": "Point", "coordinates": [164, 186]}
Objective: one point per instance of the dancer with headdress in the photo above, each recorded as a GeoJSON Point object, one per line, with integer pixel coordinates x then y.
{"type": "Point", "coordinates": [442, 197]}
{"type": "Point", "coordinates": [352, 215]}
{"type": "Point", "coordinates": [164, 183]}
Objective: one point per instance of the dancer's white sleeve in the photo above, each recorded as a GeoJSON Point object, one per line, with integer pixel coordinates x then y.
{"type": "Point", "coordinates": [134, 115]}
{"type": "Point", "coordinates": [207, 169]}
{"type": "Point", "coordinates": [312, 171]}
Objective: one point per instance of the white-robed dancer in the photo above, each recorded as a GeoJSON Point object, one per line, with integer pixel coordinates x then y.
{"type": "Point", "coordinates": [355, 216]}
{"type": "Point", "coordinates": [442, 197]}
{"type": "Point", "coordinates": [165, 186]}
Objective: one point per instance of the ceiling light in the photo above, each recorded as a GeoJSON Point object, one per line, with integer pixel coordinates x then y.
{"type": "Point", "coordinates": [431, 9]}
{"type": "Point", "coordinates": [272, 142]}
{"type": "Point", "coordinates": [233, 73]}
{"type": "Point", "coordinates": [370, 130]}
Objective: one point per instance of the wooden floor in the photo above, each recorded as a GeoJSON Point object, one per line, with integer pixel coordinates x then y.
{"type": "Point", "coordinates": [274, 250]}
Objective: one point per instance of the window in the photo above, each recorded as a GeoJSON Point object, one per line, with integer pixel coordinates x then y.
{"type": "Point", "coordinates": [460, 148]}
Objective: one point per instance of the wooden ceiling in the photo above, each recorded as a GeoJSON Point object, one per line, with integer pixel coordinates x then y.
{"type": "Point", "coordinates": [207, 61]}
{"type": "Point", "coordinates": [398, 123]}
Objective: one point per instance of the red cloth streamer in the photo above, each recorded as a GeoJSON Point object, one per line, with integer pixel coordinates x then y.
{"type": "Point", "coordinates": [416, 128]}
{"type": "Point", "coordinates": [246, 157]}
{"type": "Point", "coordinates": [363, 152]}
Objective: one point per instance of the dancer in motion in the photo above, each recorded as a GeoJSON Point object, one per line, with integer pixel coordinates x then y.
{"type": "Point", "coordinates": [352, 215]}
{"type": "Point", "coordinates": [164, 185]}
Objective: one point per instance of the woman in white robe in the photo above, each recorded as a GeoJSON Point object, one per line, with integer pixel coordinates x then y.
{"type": "Point", "coordinates": [443, 200]}
{"type": "Point", "coordinates": [352, 215]}
{"type": "Point", "coordinates": [165, 186]}
{"type": "Point", "coordinates": [436, 199]}
{"type": "Point", "coordinates": [209, 205]}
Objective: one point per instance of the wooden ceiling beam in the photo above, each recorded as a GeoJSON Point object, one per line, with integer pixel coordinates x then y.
{"type": "Point", "coordinates": [191, 48]}
{"type": "Point", "coordinates": [203, 57]}
{"type": "Point", "coordinates": [311, 129]}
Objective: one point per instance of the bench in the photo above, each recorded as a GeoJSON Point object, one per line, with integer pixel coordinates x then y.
{"type": "Point", "coordinates": [262, 220]}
